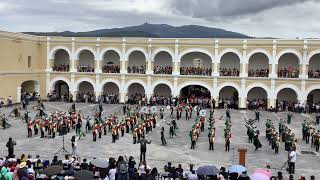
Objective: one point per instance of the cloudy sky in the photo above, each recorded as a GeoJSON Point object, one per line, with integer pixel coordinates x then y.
{"type": "Point", "coordinates": [260, 18]}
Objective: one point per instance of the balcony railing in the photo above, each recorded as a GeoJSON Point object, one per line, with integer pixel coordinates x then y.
{"type": "Point", "coordinates": [314, 74]}
{"type": "Point", "coordinates": [83, 68]}
{"type": "Point", "coordinates": [111, 69]}
{"type": "Point", "coordinates": [195, 71]}
{"type": "Point", "coordinates": [61, 68]}
{"type": "Point", "coordinates": [229, 72]}
{"type": "Point", "coordinates": [137, 69]}
{"type": "Point", "coordinates": [288, 73]}
{"type": "Point", "coordinates": [258, 73]}
{"type": "Point", "coordinates": [162, 70]}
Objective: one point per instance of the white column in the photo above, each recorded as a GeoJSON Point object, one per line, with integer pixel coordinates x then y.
{"type": "Point", "coordinates": [73, 58]}
{"type": "Point", "coordinates": [216, 70]}
{"type": "Point", "coordinates": [242, 95]}
{"type": "Point", "coordinates": [97, 88]}
{"type": "Point", "coordinates": [97, 59]}
{"type": "Point", "coordinates": [73, 89]}
{"type": "Point", "coordinates": [175, 91]}
{"type": "Point", "coordinates": [304, 73]}
{"type": "Point", "coordinates": [49, 59]}
{"type": "Point", "coordinates": [215, 94]}
{"type": "Point", "coordinates": [176, 60]}
{"type": "Point", "coordinates": [243, 61]}
{"type": "Point", "coordinates": [274, 56]}
{"type": "Point", "coordinates": [149, 67]}
{"type": "Point", "coordinates": [123, 92]}
{"type": "Point", "coordinates": [302, 97]}
{"type": "Point", "coordinates": [273, 96]}
{"type": "Point", "coordinates": [123, 58]}
{"type": "Point", "coordinates": [18, 98]}
{"type": "Point", "coordinates": [48, 88]}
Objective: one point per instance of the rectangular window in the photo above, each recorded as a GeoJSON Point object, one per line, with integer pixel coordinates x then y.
{"type": "Point", "coordinates": [29, 62]}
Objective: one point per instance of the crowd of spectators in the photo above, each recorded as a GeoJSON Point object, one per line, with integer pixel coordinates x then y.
{"type": "Point", "coordinates": [138, 98]}
{"type": "Point", "coordinates": [312, 107]}
{"type": "Point", "coordinates": [123, 168]}
{"type": "Point", "coordinates": [231, 103]}
{"type": "Point", "coordinates": [137, 69]}
{"type": "Point", "coordinates": [258, 73]}
{"type": "Point", "coordinates": [313, 73]}
{"type": "Point", "coordinates": [162, 70]}
{"type": "Point", "coordinates": [229, 72]}
{"type": "Point", "coordinates": [111, 68]}
{"type": "Point", "coordinates": [288, 73]}
{"type": "Point", "coordinates": [54, 96]}
{"type": "Point", "coordinates": [85, 68]}
{"type": "Point", "coordinates": [109, 98]}
{"type": "Point", "coordinates": [86, 98]}
{"type": "Point", "coordinates": [257, 104]}
{"type": "Point", "coordinates": [61, 67]}
{"type": "Point", "coordinates": [195, 71]}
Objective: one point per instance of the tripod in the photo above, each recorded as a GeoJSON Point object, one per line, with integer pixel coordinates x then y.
{"type": "Point", "coordinates": [63, 149]}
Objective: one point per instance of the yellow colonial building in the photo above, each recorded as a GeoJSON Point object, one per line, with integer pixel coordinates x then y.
{"type": "Point", "coordinates": [289, 67]}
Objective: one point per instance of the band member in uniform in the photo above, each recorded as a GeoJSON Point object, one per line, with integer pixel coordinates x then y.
{"type": "Point", "coordinates": [257, 113]}
{"type": "Point", "coordinates": [163, 139]}
{"type": "Point", "coordinates": [256, 141]}
{"type": "Point", "coordinates": [134, 135]}
{"type": "Point", "coordinates": [228, 140]}
{"type": "Point", "coordinates": [211, 136]}
{"type": "Point", "coordinates": [161, 112]}
{"type": "Point", "coordinates": [94, 133]}
{"type": "Point", "coordinates": [228, 114]}
{"type": "Point", "coordinates": [29, 125]}
{"type": "Point", "coordinates": [289, 117]}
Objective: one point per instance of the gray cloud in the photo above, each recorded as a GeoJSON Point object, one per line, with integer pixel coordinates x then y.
{"type": "Point", "coordinates": [276, 18]}
{"type": "Point", "coordinates": [220, 8]}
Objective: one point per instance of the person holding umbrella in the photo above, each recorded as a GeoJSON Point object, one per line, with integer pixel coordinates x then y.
{"type": "Point", "coordinates": [143, 148]}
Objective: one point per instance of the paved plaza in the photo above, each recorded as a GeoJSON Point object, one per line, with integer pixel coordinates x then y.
{"type": "Point", "coordinates": [177, 149]}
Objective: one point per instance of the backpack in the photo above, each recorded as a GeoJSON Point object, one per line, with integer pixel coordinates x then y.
{"type": "Point", "coordinates": [122, 168]}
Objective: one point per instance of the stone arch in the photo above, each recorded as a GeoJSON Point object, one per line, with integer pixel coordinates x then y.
{"type": "Point", "coordinates": [158, 50]}
{"type": "Point", "coordinates": [204, 51]}
{"type": "Point", "coordinates": [259, 85]}
{"type": "Point", "coordinates": [131, 50]}
{"type": "Point", "coordinates": [309, 90]}
{"type": "Point", "coordinates": [79, 81]}
{"type": "Point", "coordinates": [259, 50]}
{"type": "Point", "coordinates": [79, 50]}
{"type": "Point", "coordinates": [288, 86]}
{"type": "Point", "coordinates": [109, 80]}
{"type": "Point", "coordinates": [190, 83]}
{"type": "Point", "coordinates": [288, 51]}
{"type": "Point", "coordinates": [103, 51]}
{"type": "Point", "coordinates": [136, 81]}
{"type": "Point", "coordinates": [166, 82]}
{"type": "Point", "coordinates": [56, 48]}
{"type": "Point", "coordinates": [231, 84]}
{"type": "Point", "coordinates": [230, 50]}
{"type": "Point", "coordinates": [162, 89]}
{"type": "Point", "coordinates": [29, 86]}
{"type": "Point", "coordinates": [56, 79]}
{"type": "Point", "coordinates": [311, 54]}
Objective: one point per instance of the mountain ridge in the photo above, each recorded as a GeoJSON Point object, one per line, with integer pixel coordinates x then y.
{"type": "Point", "coordinates": [151, 31]}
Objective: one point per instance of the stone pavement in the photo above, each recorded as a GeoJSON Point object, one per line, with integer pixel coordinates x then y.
{"type": "Point", "coordinates": [178, 148]}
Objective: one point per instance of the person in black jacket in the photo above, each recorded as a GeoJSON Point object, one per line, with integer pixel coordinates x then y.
{"type": "Point", "coordinates": [143, 148]}
{"type": "Point", "coordinates": [10, 145]}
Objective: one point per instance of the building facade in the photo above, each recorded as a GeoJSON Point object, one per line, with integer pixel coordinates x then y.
{"type": "Point", "coordinates": [271, 69]}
